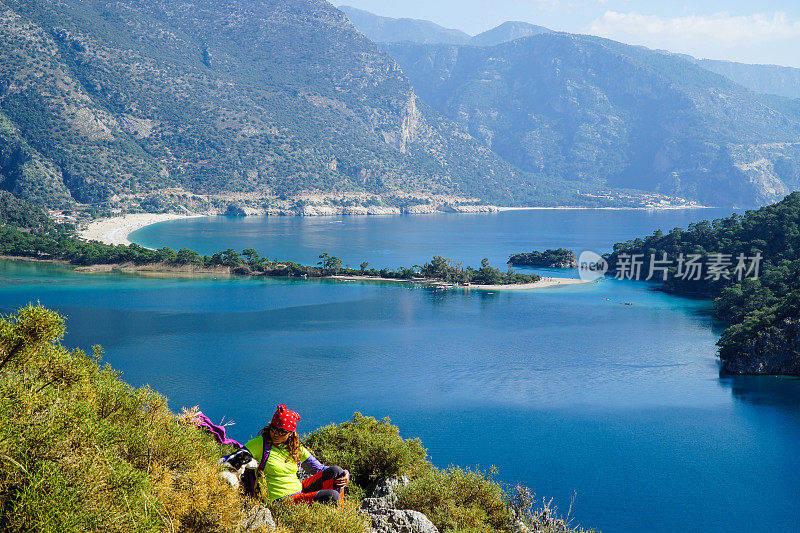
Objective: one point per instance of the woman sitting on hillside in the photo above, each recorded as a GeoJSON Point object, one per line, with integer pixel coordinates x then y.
{"type": "Point", "coordinates": [279, 452]}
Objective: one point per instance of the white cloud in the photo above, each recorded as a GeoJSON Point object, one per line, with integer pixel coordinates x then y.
{"type": "Point", "coordinates": [705, 35]}
{"type": "Point", "coordinates": [564, 5]}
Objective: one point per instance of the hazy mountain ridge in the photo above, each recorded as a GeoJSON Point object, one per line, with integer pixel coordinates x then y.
{"type": "Point", "coordinates": [397, 30]}
{"type": "Point", "coordinates": [507, 31]}
{"type": "Point", "coordinates": [271, 98]}
{"type": "Point", "coordinates": [601, 112]}
{"type": "Point", "coordinates": [390, 30]}
{"type": "Point", "coordinates": [767, 79]}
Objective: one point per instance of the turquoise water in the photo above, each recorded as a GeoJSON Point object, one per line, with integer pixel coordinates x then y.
{"type": "Point", "coordinates": [616, 408]}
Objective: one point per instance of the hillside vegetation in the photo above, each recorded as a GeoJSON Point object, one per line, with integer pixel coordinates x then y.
{"type": "Point", "coordinates": [82, 451]}
{"type": "Point", "coordinates": [133, 98]}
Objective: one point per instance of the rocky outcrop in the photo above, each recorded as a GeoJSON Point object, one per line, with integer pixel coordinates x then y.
{"type": "Point", "coordinates": [317, 210]}
{"type": "Point", "coordinates": [401, 521]}
{"type": "Point", "coordinates": [775, 350]}
{"type": "Point", "coordinates": [327, 210]}
{"type": "Point", "coordinates": [449, 208]}
{"type": "Point", "coordinates": [257, 518]}
{"type": "Point", "coordinates": [386, 518]}
{"type": "Point", "coordinates": [380, 507]}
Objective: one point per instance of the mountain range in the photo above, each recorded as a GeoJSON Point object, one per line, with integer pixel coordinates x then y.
{"type": "Point", "coordinates": [605, 113]}
{"type": "Point", "coordinates": [612, 115]}
{"type": "Point", "coordinates": [147, 104]}
{"type": "Point", "coordinates": [767, 79]}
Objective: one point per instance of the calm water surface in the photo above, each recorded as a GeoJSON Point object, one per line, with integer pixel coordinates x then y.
{"type": "Point", "coordinates": [393, 241]}
{"type": "Point", "coordinates": [569, 391]}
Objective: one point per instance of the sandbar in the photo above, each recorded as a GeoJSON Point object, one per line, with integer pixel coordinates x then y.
{"type": "Point", "coordinates": [541, 284]}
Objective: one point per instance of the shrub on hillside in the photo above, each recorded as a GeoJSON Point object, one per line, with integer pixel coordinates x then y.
{"type": "Point", "coordinates": [82, 451]}
{"type": "Point", "coordinates": [370, 449]}
{"type": "Point", "coordinates": [458, 499]}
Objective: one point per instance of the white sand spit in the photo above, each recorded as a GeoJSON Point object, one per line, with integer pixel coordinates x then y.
{"type": "Point", "coordinates": [541, 284]}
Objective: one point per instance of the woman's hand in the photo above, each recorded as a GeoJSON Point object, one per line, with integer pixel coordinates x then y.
{"type": "Point", "coordinates": [342, 481]}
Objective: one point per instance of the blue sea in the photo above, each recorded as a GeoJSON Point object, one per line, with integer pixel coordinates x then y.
{"type": "Point", "coordinates": [605, 397]}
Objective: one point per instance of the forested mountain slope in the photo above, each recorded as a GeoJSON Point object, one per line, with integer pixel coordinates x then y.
{"type": "Point", "coordinates": [751, 265]}
{"type": "Point", "coordinates": [111, 102]}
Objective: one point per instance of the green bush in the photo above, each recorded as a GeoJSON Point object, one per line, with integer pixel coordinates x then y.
{"type": "Point", "coordinates": [458, 499]}
{"type": "Point", "coordinates": [82, 451]}
{"type": "Point", "coordinates": [370, 449]}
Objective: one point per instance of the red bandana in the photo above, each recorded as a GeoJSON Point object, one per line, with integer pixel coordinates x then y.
{"type": "Point", "coordinates": [285, 418]}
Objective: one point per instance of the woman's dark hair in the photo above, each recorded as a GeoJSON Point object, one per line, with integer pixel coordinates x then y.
{"type": "Point", "coordinates": [293, 444]}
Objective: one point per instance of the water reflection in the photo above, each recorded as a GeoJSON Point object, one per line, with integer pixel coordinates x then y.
{"type": "Point", "coordinates": [781, 392]}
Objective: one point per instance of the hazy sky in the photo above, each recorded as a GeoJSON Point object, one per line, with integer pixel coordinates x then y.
{"type": "Point", "coordinates": [765, 31]}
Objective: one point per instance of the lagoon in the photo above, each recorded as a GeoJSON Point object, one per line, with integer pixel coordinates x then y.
{"type": "Point", "coordinates": [616, 408]}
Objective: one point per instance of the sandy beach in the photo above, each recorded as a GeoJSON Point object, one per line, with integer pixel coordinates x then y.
{"type": "Point", "coordinates": [541, 284]}
{"type": "Point", "coordinates": [115, 230]}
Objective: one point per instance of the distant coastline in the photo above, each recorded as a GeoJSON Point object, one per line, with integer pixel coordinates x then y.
{"type": "Point", "coordinates": [117, 230]}
{"type": "Point", "coordinates": [584, 208]}
{"type": "Point", "coordinates": [541, 284]}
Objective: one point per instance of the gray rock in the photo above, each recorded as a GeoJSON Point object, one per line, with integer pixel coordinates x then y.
{"type": "Point", "coordinates": [388, 486]}
{"type": "Point", "coordinates": [256, 518]}
{"type": "Point", "coordinates": [380, 507]}
{"type": "Point", "coordinates": [401, 521]}
{"type": "Point", "coordinates": [377, 505]}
